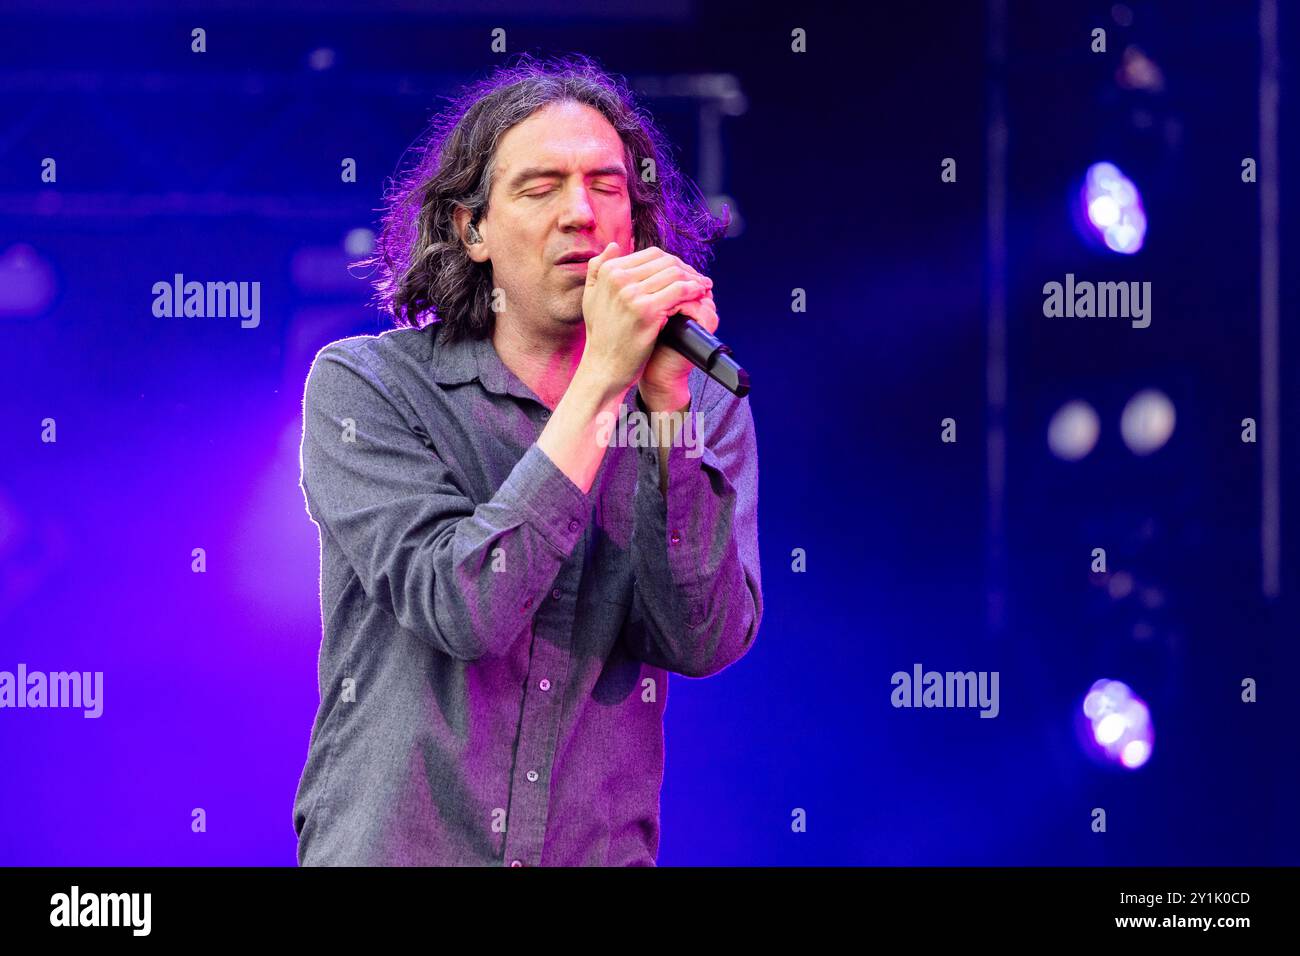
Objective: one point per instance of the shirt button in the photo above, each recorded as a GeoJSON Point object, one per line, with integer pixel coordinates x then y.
{"type": "Point", "coordinates": [544, 684]}
{"type": "Point", "coordinates": [573, 525]}
{"type": "Point", "coordinates": [556, 594]}
{"type": "Point", "coordinates": [532, 776]}
{"type": "Point", "coordinates": [676, 538]}
{"type": "Point", "coordinates": [516, 863]}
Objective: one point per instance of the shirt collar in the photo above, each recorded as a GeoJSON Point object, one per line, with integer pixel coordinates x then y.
{"type": "Point", "coordinates": [467, 359]}
{"type": "Point", "coordinates": [453, 362]}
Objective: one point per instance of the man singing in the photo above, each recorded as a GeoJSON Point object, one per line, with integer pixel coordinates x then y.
{"type": "Point", "coordinates": [506, 580]}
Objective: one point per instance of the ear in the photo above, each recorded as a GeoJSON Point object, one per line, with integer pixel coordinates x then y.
{"type": "Point", "coordinates": [477, 251]}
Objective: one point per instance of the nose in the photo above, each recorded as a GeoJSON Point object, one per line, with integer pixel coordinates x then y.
{"type": "Point", "coordinates": [577, 213]}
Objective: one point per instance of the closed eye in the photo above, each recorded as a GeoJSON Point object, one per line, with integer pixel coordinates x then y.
{"type": "Point", "coordinates": [603, 189]}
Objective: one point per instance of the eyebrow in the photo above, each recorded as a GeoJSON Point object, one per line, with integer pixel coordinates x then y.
{"type": "Point", "coordinates": [538, 172]}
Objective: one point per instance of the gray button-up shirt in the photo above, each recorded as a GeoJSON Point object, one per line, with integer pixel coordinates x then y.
{"type": "Point", "coordinates": [493, 668]}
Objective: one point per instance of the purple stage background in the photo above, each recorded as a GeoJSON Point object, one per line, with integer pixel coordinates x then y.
{"type": "Point", "coordinates": [175, 434]}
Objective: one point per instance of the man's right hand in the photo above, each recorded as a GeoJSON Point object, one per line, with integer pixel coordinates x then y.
{"type": "Point", "coordinates": [625, 304]}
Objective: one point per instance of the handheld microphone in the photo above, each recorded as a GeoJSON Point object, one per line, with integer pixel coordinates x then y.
{"type": "Point", "coordinates": [685, 335]}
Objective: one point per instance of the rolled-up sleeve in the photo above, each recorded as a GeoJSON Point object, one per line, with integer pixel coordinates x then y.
{"type": "Point", "coordinates": [697, 588]}
{"type": "Point", "coordinates": [466, 578]}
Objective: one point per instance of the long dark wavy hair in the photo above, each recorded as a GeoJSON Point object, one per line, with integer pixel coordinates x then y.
{"type": "Point", "coordinates": [421, 271]}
